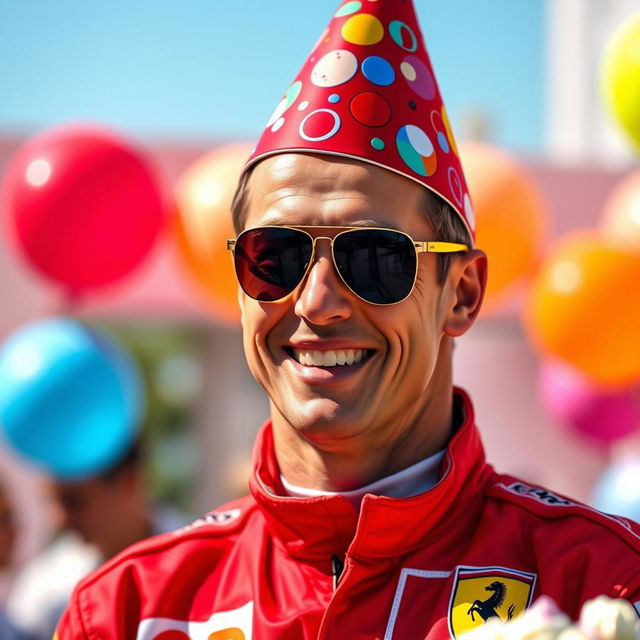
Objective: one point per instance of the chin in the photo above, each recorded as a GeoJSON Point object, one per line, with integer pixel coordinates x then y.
{"type": "Point", "coordinates": [324, 420]}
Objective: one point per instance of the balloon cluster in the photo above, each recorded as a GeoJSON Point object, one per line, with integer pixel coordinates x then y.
{"type": "Point", "coordinates": [583, 311]}
{"type": "Point", "coordinates": [582, 308]}
{"type": "Point", "coordinates": [583, 315]}
{"type": "Point", "coordinates": [84, 208]}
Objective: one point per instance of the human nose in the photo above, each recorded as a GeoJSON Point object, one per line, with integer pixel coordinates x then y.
{"type": "Point", "coordinates": [323, 298]}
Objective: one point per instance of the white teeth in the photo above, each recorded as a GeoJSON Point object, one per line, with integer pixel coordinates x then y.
{"type": "Point", "coordinates": [332, 358]}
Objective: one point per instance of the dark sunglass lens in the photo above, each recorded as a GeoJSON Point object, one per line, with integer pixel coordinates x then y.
{"type": "Point", "coordinates": [378, 265]}
{"type": "Point", "coordinates": [270, 262]}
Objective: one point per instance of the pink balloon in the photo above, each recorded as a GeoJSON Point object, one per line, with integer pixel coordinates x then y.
{"type": "Point", "coordinates": [83, 205]}
{"type": "Point", "coordinates": [603, 415]}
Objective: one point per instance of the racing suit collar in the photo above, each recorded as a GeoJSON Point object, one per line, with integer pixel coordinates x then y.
{"type": "Point", "coordinates": [319, 526]}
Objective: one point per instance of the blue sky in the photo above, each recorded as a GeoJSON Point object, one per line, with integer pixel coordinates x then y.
{"type": "Point", "coordinates": [204, 70]}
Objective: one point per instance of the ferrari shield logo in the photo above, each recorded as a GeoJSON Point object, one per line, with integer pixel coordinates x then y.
{"type": "Point", "coordinates": [482, 593]}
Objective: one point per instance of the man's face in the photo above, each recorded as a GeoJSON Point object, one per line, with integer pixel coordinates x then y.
{"type": "Point", "coordinates": [399, 344]}
{"type": "Point", "coordinates": [91, 508]}
{"type": "Point", "coordinates": [7, 531]}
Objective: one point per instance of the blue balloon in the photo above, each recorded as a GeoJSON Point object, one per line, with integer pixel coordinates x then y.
{"type": "Point", "coordinates": [617, 491]}
{"type": "Point", "coordinates": [71, 399]}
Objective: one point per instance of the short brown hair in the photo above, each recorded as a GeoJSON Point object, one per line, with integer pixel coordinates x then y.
{"type": "Point", "coordinates": [447, 224]}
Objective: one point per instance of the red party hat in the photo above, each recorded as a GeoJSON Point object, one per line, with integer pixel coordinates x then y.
{"type": "Point", "coordinates": [368, 91]}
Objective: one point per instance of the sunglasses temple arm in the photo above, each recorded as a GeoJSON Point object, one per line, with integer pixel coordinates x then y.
{"type": "Point", "coordinates": [440, 247]}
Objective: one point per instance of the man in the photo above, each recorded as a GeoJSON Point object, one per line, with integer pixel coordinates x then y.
{"type": "Point", "coordinates": [97, 517]}
{"type": "Point", "coordinates": [373, 513]}
{"type": "Point", "coordinates": [8, 534]}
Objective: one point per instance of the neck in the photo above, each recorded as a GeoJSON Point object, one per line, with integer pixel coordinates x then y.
{"type": "Point", "coordinates": [347, 462]}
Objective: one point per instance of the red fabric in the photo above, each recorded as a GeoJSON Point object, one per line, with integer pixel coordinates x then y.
{"type": "Point", "coordinates": [409, 563]}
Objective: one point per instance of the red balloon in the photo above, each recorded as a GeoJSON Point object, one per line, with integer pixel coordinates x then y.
{"type": "Point", "coordinates": [83, 205]}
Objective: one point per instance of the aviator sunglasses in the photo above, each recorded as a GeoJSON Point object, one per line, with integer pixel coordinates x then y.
{"type": "Point", "coordinates": [378, 265]}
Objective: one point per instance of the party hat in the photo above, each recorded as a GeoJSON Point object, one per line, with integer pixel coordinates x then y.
{"type": "Point", "coordinates": [368, 91]}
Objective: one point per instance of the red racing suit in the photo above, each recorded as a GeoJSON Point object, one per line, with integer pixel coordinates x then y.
{"type": "Point", "coordinates": [477, 545]}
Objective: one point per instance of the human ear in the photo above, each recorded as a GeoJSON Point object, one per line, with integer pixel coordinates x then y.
{"type": "Point", "coordinates": [467, 279]}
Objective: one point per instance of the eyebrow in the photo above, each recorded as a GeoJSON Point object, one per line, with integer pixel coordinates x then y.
{"type": "Point", "coordinates": [279, 222]}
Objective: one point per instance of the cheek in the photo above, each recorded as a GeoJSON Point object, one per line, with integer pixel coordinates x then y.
{"type": "Point", "coordinates": [428, 302]}
{"type": "Point", "coordinates": [258, 323]}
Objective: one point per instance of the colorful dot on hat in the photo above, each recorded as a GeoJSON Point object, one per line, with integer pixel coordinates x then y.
{"type": "Point", "coordinates": [455, 184]}
{"type": "Point", "coordinates": [370, 109]}
{"type": "Point", "coordinates": [333, 98]}
{"type": "Point", "coordinates": [443, 142]}
{"type": "Point", "coordinates": [334, 68]}
{"type": "Point", "coordinates": [408, 71]}
{"type": "Point", "coordinates": [320, 124]}
{"type": "Point", "coordinates": [289, 98]}
{"type": "Point", "coordinates": [293, 92]}
{"type": "Point", "coordinates": [378, 71]}
{"type": "Point", "coordinates": [412, 105]}
{"type": "Point", "coordinates": [377, 143]}
{"type": "Point", "coordinates": [418, 77]}
{"type": "Point", "coordinates": [468, 211]}
{"type": "Point", "coordinates": [439, 128]}
{"type": "Point", "coordinates": [277, 124]}
{"type": "Point", "coordinates": [348, 8]}
{"type": "Point", "coordinates": [363, 29]}
{"type": "Point", "coordinates": [303, 105]}
{"type": "Point", "coordinates": [403, 35]}
{"type": "Point", "coordinates": [447, 127]}
{"type": "Point", "coordinates": [416, 150]}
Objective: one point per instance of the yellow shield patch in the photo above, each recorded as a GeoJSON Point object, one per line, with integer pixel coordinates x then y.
{"type": "Point", "coordinates": [481, 593]}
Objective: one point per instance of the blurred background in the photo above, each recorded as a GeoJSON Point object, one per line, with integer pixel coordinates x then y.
{"type": "Point", "coordinates": [540, 95]}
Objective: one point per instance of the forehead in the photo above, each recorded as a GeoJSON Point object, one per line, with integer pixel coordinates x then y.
{"type": "Point", "coordinates": [299, 188]}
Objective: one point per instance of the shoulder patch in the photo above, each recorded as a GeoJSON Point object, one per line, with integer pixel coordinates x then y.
{"type": "Point", "coordinates": [564, 506]}
{"type": "Point", "coordinates": [215, 517]}
{"type": "Point", "coordinates": [537, 493]}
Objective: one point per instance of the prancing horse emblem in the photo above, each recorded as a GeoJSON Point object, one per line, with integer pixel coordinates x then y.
{"type": "Point", "coordinates": [487, 608]}
{"type": "Point", "coordinates": [481, 593]}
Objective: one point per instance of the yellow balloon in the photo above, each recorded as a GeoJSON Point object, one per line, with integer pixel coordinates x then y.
{"type": "Point", "coordinates": [203, 197]}
{"type": "Point", "coordinates": [621, 77]}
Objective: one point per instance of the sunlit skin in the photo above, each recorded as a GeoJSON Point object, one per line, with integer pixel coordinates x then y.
{"type": "Point", "coordinates": [343, 427]}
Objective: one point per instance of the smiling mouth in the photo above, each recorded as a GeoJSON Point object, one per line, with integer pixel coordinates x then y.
{"type": "Point", "coordinates": [330, 357]}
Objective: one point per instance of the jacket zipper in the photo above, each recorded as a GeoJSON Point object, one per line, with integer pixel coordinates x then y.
{"type": "Point", "coordinates": [339, 569]}
{"type": "Point", "coordinates": [337, 566]}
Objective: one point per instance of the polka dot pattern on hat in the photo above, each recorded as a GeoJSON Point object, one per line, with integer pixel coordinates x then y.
{"type": "Point", "coordinates": [368, 91]}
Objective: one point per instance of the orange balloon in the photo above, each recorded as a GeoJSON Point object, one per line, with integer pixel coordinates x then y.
{"type": "Point", "coordinates": [621, 218]}
{"type": "Point", "coordinates": [203, 198]}
{"type": "Point", "coordinates": [584, 308]}
{"type": "Point", "coordinates": [511, 218]}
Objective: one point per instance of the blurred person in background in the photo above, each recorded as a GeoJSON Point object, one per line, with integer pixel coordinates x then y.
{"type": "Point", "coordinates": [96, 518]}
{"type": "Point", "coordinates": [8, 533]}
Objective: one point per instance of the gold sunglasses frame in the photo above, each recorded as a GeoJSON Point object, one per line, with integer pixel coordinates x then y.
{"type": "Point", "coordinates": [420, 246]}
